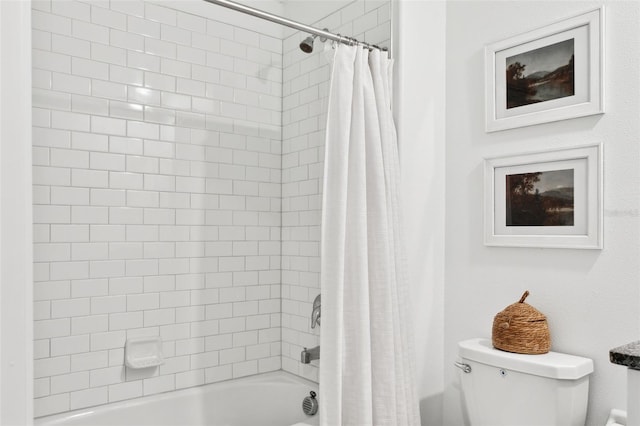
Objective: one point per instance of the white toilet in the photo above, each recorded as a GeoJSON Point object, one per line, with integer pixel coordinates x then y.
{"type": "Point", "coordinates": [504, 388]}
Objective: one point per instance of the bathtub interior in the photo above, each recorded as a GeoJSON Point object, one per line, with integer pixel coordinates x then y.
{"type": "Point", "coordinates": [270, 399]}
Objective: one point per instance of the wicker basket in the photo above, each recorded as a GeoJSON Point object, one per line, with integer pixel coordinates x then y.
{"type": "Point", "coordinates": [522, 329]}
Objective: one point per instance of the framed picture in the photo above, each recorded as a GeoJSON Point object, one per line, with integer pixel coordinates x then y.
{"type": "Point", "coordinates": [545, 199]}
{"type": "Point", "coordinates": [549, 74]}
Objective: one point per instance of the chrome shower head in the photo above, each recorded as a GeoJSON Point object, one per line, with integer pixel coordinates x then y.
{"type": "Point", "coordinates": [306, 45]}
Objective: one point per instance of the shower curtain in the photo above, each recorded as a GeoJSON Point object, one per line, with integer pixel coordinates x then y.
{"type": "Point", "coordinates": [366, 366]}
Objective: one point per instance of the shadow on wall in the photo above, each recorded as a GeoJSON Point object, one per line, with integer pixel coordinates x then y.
{"type": "Point", "coordinates": [431, 410]}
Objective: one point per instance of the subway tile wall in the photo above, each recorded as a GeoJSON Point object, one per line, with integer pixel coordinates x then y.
{"type": "Point", "coordinates": [157, 199]}
{"type": "Point", "coordinates": [305, 92]}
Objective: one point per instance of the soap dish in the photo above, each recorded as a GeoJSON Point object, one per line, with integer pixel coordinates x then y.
{"type": "Point", "coordinates": [143, 352]}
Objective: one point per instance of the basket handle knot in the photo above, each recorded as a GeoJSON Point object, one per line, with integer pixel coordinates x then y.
{"type": "Point", "coordinates": [524, 296]}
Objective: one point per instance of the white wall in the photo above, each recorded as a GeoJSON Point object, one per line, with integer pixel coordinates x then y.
{"type": "Point", "coordinates": [419, 49]}
{"type": "Point", "coordinates": [16, 331]}
{"type": "Point", "coordinates": [591, 298]}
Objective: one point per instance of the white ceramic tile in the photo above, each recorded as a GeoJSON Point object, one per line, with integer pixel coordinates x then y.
{"type": "Point", "coordinates": [126, 285]}
{"type": "Point", "coordinates": [88, 288]}
{"type": "Point", "coordinates": [104, 161]}
{"type": "Point", "coordinates": [89, 105]}
{"type": "Point", "coordinates": [89, 361]}
{"type": "Point", "coordinates": [189, 379]}
{"type": "Point", "coordinates": [217, 374]}
{"type": "Point", "coordinates": [70, 46]}
{"type": "Point", "coordinates": [108, 340]}
{"type": "Point", "coordinates": [159, 81]}
{"type": "Point", "coordinates": [175, 35]}
{"type": "Point", "coordinates": [70, 382]}
{"type": "Point", "coordinates": [69, 345]}
{"type": "Point", "coordinates": [143, 61]}
{"type": "Point", "coordinates": [175, 68]}
{"type": "Point", "coordinates": [192, 22]}
{"type": "Point", "coordinates": [88, 398]}
{"type": "Point", "coordinates": [125, 75]}
{"type": "Point", "coordinates": [69, 308]}
{"type": "Point", "coordinates": [108, 18]}
{"type": "Point", "coordinates": [124, 180]}
{"type": "Point", "coordinates": [51, 61]}
{"type": "Point", "coordinates": [51, 366]}
{"type": "Point", "coordinates": [109, 54]}
{"type": "Point", "coordinates": [71, 84]}
{"type": "Point", "coordinates": [141, 267]}
{"type": "Point", "coordinates": [143, 26]}
{"type": "Point", "coordinates": [88, 68]}
{"type": "Point", "coordinates": [130, 7]}
{"type": "Point", "coordinates": [142, 233]}
{"type": "Point", "coordinates": [69, 233]}
{"type": "Point", "coordinates": [41, 387]}
{"type": "Point", "coordinates": [89, 141]}
{"type": "Point", "coordinates": [155, 148]}
{"type": "Point", "coordinates": [126, 40]}
{"type": "Point", "coordinates": [159, 317]}
{"type": "Point", "coordinates": [176, 101]}
{"type": "Point", "coordinates": [69, 121]}
{"type": "Point", "coordinates": [118, 392]}
{"type": "Point", "coordinates": [51, 404]}
{"type": "Point", "coordinates": [109, 126]}
{"type": "Point", "coordinates": [50, 22]}
{"type": "Point", "coordinates": [107, 376]}
{"type": "Point", "coordinates": [160, 14]}
{"type": "Point", "coordinates": [69, 270]}
{"type": "Point", "coordinates": [143, 198]}
{"type": "Point", "coordinates": [124, 321]}
{"type": "Point", "coordinates": [45, 329]}
{"type": "Point", "coordinates": [158, 384]}
{"type": "Point", "coordinates": [140, 164]}
{"type": "Point", "coordinates": [106, 268]}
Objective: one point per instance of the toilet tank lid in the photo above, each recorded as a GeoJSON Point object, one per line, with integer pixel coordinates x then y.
{"type": "Point", "coordinates": [552, 364]}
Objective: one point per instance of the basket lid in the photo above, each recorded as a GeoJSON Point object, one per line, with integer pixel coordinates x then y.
{"type": "Point", "coordinates": [522, 309]}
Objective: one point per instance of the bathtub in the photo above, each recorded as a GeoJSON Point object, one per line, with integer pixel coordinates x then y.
{"type": "Point", "coordinates": [266, 399]}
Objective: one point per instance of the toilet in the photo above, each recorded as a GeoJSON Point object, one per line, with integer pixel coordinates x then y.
{"type": "Point", "coordinates": [504, 388]}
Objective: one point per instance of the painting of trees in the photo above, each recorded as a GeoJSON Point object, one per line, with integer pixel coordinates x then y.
{"type": "Point", "coordinates": [518, 86]}
{"type": "Point", "coordinates": [527, 205]}
{"type": "Point", "coordinates": [540, 75]}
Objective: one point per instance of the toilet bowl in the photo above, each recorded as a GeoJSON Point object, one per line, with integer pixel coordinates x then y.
{"type": "Point", "coordinates": [504, 388]}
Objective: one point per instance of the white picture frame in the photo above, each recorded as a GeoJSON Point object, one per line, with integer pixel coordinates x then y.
{"type": "Point", "coordinates": [569, 216]}
{"type": "Point", "coordinates": [555, 73]}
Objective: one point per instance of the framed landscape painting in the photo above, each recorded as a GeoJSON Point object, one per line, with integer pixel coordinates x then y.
{"type": "Point", "coordinates": [549, 74]}
{"type": "Point", "coordinates": [545, 199]}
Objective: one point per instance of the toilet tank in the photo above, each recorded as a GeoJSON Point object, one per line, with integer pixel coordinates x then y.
{"type": "Point", "coordinates": [509, 389]}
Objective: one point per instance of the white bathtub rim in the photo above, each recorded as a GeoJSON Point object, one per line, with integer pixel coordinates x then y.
{"type": "Point", "coordinates": [280, 375]}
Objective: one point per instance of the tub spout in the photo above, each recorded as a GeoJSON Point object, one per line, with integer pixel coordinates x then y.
{"type": "Point", "coordinates": [308, 355]}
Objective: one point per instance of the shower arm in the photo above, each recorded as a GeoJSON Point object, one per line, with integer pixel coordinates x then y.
{"type": "Point", "coordinates": [293, 24]}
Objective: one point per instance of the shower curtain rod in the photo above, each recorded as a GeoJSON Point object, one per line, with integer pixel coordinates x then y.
{"type": "Point", "coordinates": [293, 24]}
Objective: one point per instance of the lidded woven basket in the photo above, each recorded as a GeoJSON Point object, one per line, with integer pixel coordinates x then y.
{"type": "Point", "coordinates": [522, 329]}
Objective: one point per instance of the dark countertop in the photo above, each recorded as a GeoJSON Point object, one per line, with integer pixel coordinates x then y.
{"type": "Point", "coordinates": [627, 355]}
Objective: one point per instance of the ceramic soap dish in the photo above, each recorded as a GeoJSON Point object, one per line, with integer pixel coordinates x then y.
{"type": "Point", "coordinates": [143, 352]}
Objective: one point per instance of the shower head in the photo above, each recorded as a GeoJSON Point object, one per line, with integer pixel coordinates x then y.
{"type": "Point", "coordinates": [306, 45]}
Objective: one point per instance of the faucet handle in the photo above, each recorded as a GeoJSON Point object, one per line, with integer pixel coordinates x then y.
{"type": "Point", "coordinates": [315, 313]}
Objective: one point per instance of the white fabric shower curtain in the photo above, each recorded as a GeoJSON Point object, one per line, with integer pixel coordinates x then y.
{"type": "Point", "coordinates": [366, 365]}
